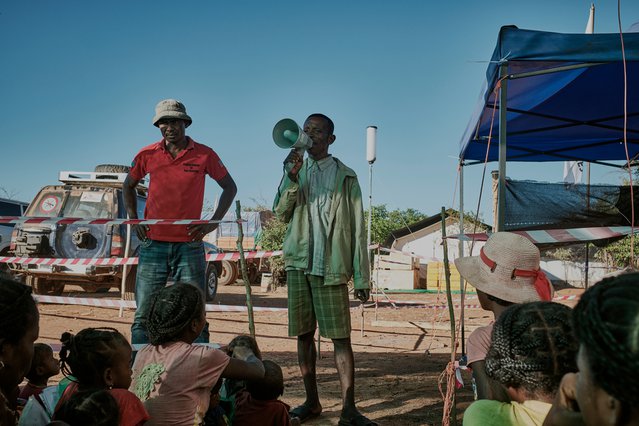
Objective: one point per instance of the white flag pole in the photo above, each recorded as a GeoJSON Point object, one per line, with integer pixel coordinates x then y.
{"type": "Point", "coordinates": [573, 170]}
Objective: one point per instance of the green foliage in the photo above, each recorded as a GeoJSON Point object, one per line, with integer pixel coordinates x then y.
{"type": "Point", "coordinates": [561, 253]}
{"type": "Point", "coordinates": [384, 221]}
{"type": "Point", "coordinates": [273, 233]}
{"type": "Point", "coordinates": [618, 253]}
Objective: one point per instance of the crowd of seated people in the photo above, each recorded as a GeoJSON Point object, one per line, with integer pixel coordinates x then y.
{"type": "Point", "coordinates": [539, 362]}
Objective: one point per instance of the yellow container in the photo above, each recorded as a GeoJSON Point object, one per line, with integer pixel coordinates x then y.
{"type": "Point", "coordinates": [436, 279]}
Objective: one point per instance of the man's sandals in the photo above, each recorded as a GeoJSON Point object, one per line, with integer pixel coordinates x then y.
{"type": "Point", "coordinates": [303, 413]}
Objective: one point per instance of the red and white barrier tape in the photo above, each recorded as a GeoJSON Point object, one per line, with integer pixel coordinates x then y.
{"type": "Point", "coordinates": [415, 302]}
{"type": "Point", "coordinates": [573, 297]}
{"type": "Point", "coordinates": [93, 221]}
{"type": "Point", "coordinates": [422, 305]}
{"type": "Point", "coordinates": [137, 346]}
{"type": "Point", "coordinates": [130, 304]}
{"type": "Point", "coordinates": [117, 303]}
{"type": "Point", "coordinates": [117, 261]}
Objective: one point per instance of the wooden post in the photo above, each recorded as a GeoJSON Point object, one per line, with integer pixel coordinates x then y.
{"type": "Point", "coordinates": [451, 312]}
{"type": "Point", "coordinates": [245, 278]}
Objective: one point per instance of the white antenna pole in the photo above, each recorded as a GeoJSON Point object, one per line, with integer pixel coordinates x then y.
{"type": "Point", "coordinates": [371, 142]}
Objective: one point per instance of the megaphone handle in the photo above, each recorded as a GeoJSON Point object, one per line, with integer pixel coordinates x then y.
{"type": "Point", "coordinates": [290, 162]}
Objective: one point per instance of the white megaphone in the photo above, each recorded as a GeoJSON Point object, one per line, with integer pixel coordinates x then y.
{"type": "Point", "coordinates": [287, 134]}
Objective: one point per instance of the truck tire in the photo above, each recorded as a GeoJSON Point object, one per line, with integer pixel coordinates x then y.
{"type": "Point", "coordinates": [111, 168]}
{"type": "Point", "coordinates": [94, 288]}
{"type": "Point", "coordinates": [229, 273]}
{"type": "Point", "coordinates": [44, 286]}
{"type": "Point", "coordinates": [211, 282]}
{"type": "Point", "coordinates": [253, 272]}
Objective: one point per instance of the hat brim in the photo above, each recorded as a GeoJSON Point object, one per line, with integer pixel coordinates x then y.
{"type": "Point", "coordinates": [172, 114]}
{"type": "Point", "coordinates": [517, 290]}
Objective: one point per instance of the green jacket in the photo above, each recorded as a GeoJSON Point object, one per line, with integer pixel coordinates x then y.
{"type": "Point", "coordinates": [346, 252]}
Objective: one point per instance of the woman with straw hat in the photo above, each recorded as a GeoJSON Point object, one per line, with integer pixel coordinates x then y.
{"type": "Point", "coordinates": [506, 272]}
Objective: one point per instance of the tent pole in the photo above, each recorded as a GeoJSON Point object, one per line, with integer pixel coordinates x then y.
{"type": "Point", "coordinates": [503, 96]}
{"type": "Point", "coordinates": [461, 254]}
{"type": "Point", "coordinates": [587, 263]}
{"type": "Point", "coordinates": [553, 70]}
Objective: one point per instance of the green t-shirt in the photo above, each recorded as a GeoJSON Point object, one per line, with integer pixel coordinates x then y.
{"type": "Point", "coordinates": [487, 412]}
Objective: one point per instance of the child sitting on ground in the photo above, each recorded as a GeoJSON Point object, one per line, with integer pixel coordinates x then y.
{"type": "Point", "coordinates": [533, 346]}
{"type": "Point", "coordinates": [43, 366]}
{"type": "Point", "coordinates": [259, 403]}
{"type": "Point", "coordinates": [100, 358]}
{"type": "Point", "coordinates": [229, 388]}
{"type": "Point", "coordinates": [173, 377]}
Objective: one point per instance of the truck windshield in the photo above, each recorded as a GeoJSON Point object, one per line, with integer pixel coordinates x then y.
{"type": "Point", "coordinates": [47, 204]}
{"type": "Point", "coordinates": [89, 204]}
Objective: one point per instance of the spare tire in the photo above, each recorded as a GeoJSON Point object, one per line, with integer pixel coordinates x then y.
{"type": "Point", "coordinates": [112, 168]}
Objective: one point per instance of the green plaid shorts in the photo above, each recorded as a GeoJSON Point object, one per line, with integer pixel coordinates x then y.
{"type": "Point", "coordinates": [311, 302]}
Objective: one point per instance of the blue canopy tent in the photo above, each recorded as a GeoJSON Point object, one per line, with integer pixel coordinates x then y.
{"type": "Point", "coordinates": [561, 98]}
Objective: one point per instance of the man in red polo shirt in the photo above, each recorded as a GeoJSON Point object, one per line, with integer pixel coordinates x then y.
{"type": "Point", "coordinates": [177, 166]}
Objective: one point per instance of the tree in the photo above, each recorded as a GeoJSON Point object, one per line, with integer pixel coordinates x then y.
{"type": "Point", "coordinates": [9, 194]}
{"type": "Point", "coordinates": [273, 233]}
{"type": "Point", "coordinates": [384, 221]}
{"type": "Point", "coordinates": [618, 253]}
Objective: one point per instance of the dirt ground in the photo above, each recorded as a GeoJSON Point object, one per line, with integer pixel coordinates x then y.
{"type": "Point", "coordinates": [400, 352]}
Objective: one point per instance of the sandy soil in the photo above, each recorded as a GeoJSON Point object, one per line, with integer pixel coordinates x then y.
{"type": "Point", "coordinates": [400, 352]}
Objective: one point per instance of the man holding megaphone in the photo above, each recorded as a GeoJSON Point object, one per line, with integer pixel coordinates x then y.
{"type": "Point", "coordinates": [324, 247]}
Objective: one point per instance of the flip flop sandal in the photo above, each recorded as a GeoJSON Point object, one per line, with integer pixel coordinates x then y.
{"type": "Point", "coordinates": [303, 413]}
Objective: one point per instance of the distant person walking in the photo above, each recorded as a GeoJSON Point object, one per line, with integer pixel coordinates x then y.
{"type": "Point", "coordinates": [324, 247]}
{"type": "Point", "coordinates": [177, 166]}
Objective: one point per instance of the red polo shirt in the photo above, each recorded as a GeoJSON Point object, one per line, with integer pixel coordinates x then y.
{"type": "Point", "coordinates": [176, 187]}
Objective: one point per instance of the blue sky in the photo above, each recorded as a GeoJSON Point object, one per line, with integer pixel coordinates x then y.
{"type": "Point", "coordinates": [80, 80]}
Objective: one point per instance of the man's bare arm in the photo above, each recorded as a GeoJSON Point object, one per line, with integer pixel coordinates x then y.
{"type": "Point", "coordinates": [229, 189]}
{"type": "Point", "coordinates": [130, 196]}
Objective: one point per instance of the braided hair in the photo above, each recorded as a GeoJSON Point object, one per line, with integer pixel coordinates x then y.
{"type": "Point", "coordinates": [533, 346]}
{"type": "Point", "coordinates": [606, 322]}
{"type": "Point", "coordinates": [172, 310]}
{"type": "Point", "coordinates": [88, 354]}
{"type": "Point", "coordinates": [18, 310]}
{"type": "Point", "coordinates": [89, 407]}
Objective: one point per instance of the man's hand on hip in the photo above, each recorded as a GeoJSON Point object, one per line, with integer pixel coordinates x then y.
{"type": "Point", "coordinates": [197, 232]}
{"type": "Point", "coordinates": [140, 231]}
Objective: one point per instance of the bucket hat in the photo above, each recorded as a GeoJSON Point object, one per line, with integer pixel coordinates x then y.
{"type": "Point", "coordinates": [508, 268]}
{"type": "Point", "coordinates": [170, 108]}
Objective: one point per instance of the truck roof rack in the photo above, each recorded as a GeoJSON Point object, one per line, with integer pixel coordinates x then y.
{"type": "Point", "coordinates": [103, 178]}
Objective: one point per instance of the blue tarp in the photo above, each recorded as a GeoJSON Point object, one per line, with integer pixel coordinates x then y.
{"type": "Point", "coordinates": [574, 114]}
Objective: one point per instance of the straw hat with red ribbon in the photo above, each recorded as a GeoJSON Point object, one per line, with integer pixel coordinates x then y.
{"type": "Point", "coordinates": [508, 268]}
